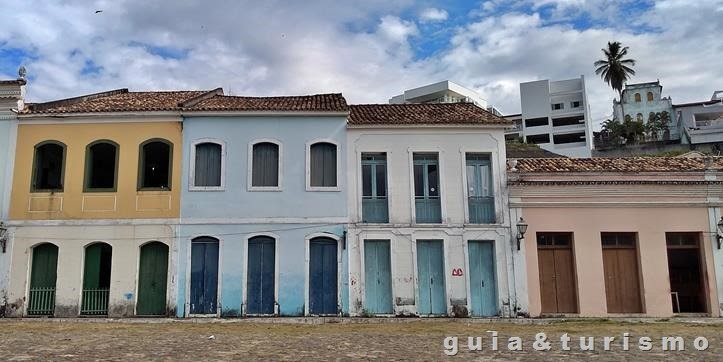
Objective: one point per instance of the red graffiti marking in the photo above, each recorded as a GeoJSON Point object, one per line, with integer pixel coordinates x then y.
{"type": "Point", "coordinates": [457, 272]}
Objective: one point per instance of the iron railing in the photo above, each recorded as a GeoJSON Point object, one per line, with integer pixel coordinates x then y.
{"type": "Point", "coordinates": [375, 210]}
{"type": "Point", "coordinates": [95, 301]}
{"type": "Point", "coordinates": [41, 301]}
{"type": "Point", "coordinates": [428, 211]}
{"type": "Point", "coordinates": [481, 210]}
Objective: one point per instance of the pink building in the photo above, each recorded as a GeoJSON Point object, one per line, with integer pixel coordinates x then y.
{"type": "Point", "coordinates": [612, 237]}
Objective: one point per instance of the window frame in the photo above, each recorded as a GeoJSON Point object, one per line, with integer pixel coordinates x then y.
{"type": "Point", "coordinates": [387, 180]}
{"type": "Point", "coordinates": [336, 188]}
{"type": "Point", "coordinates": [141, 163]}
{"type": "Point", "coordinates": [33, 175]}
{"type": "Point", "coordinates": [637, 98]}
{"type": "Point", "coordinates": [192, 165]}
{"type": "Point", "coordinates": [86, 171]}
{"type": "Point", "coordinates": [493, 187]}
{"type": "Point", "coordinates": [441, 182]}
{"type": "Point", "coordinates": [250, 168]}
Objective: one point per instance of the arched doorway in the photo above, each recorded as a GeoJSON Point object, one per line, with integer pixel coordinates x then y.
{"type": "Point", "coordinates": [43, 276]}
{"type": "Point", "coordinates": [96, 279]}
{"type": "Point", "coordinates": [152, 279]}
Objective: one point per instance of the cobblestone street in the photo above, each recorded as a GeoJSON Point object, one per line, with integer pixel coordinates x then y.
{"type": "Point", "coordinates": [270, 339]}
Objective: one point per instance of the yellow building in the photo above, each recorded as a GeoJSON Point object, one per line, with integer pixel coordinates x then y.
{"type": "Point", "coordinates": [95, 205]}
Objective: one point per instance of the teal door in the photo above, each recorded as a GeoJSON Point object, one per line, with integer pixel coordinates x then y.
{"type": "Point", "coordinates": [152, 277]}
{"type": "Point", "coordinates": [480, 193]}
{"type": "Point", "coordinates": [482, 281]}
{"type": "Point", "coordinates": [43, 277]}
{"type": "Point", "coordinates": [430, 273]}
{"type": "Point", "coordinates": [96, 279]}
{"type": "Point", "coordinates": [377, 277]}
{"type": "Point", "coordinates": [427, 204]}
{"type": "Point", "coordinates": [323, 278]}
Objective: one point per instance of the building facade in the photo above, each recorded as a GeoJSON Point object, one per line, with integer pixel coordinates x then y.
{"type": "Point", "coordinates": [702, 122]}
{"type": "Point", "coordinates": [641, 102]}
{"type": "Point", "coordinates": [556, 116]}
{"type": "Point", "coordinates": [95, 205]}
{"type": "Point", "coordinates": [620, 237]}
{"type": "Point", "coordinates": [428, 221]}
{"type": "Point", "coordinates": [263, 207]}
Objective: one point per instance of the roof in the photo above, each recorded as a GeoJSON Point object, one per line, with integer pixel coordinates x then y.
{"type": "Point", "coordinates": [619, 165]}
{"type": "Point", "coordinates": [525, 150]}
{"type": "Point", "coordinates": [333, 102]}
{"type": "Point", "coordinates": [122, 100]}
{"type": "Point", "coordinates": [13, 82]}
{"type": "Point", "coordinates": [423, 114]}
{"type": "Point", "coordinates": [703, 103]}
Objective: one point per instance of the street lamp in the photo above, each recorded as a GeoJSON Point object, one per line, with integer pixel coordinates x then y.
{"type": "Point", "coordinates": [521, 230]}
{"type": "Point", "coordinates": [719, 234]}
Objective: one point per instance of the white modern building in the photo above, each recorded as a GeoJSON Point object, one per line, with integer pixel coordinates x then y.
{"type": "Point", "coordinates": [702, 122]}
{"type": "Point", "coordinates": [443, 92]}
{"type": "Point", "coordinates": [556, 116]}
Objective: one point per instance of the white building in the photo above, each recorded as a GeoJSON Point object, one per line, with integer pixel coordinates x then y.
{"type": "Point", "coordinates": [702, 122]}
{"type": "Point", "coordinates": [442, 92]}
{"type": "Point", "coordinates": [556, 116]}
{"type": "Point", "coordinates": [429, 230]}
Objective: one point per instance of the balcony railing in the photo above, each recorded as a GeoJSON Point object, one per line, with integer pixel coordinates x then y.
{"type": "Point", "coordinates": [428, 211]}
{"type": "Point", "coordinates": [375, 210]}
{"type": "Point", "coordinates": [41, 301]}
{"type": "Point", "coordinates": [95, 301]}
{"type": "Point", "coordinates": [481, 210]}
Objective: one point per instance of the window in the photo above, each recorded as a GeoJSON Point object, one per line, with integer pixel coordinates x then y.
{"type": "Point", "coordinates": [639, 117]}
{"type": "Point", "coordinates": [575, 104]}
{"type": "Point", "coordinates": [480, 190]}
{"type": "Point", "coordinates": [374, 188]}
{"type": "Point", "coordinates": [155, 165]}
{"type": "Point", "coordinates": [621, 240]}
{"type": "Point", "coordinates": [101, 165]}
{"type": "Point", "coordinates": [426, 188]}
{"type": "Point", "coordinates": [49, 166]}
{"type": "Point", "coordinates": [558, 106]}
{"type": "Point", "coordinates": [265, 165]}
{"type": "Point", "coordinates": [650, 96]}
{"type": "Point", "coordinates": [568, 121]}
{"type": "Point", "coordinates": [554, 239]}
{"type": "Point", "coordinates": [536, 122]}
{"type": "Point", "coordinates": [637, 98]}
{"type": "Point", "coordinates": [568, 138]}
{"type": "Point", "coordinates": [207, 166]}
{"type": "Point", "coordinates": [538, 138]}
{"type": "Point", "coordinates": [323, 165]}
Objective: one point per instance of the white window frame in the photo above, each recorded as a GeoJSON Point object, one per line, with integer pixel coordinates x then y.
{"type": "Point", "coordinates": [442, 183]}
{"type": "Point", "coordinates": [192, 174]}
{"type": "Point", "coordinates": [250, 168]}
{"type": "Point", "coordinates": [496, 193]}
{"type": "Point", "coordinates": [338, 165]}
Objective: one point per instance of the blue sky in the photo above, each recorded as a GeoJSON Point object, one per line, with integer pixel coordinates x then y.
{"type": "Point", "coordinates": [368, 50]}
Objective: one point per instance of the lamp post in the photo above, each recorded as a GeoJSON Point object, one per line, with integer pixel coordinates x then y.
{"type": "Point", "coordinates": [521, 230]}
{"type": "Point", "coordinates": [719, 234]}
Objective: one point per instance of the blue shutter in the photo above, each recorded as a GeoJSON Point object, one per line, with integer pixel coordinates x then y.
{"type": "Point", "coordinates": [482, 279]}
{"type": "Point", "coordinates": [260, 287]}
{"type": "Point", "coordinates": [375, 208]}
{"type": "Point", "coordinates": [377, 277]}
{"type": "Point", "coordinates": [323, 165]}
{"type": "Point", "coordinates": [265, 172]}
{"type": "Point", "coordinates": [428, 208]}
{"type": "Point", "coordinates": [208, 165]}
{"type": "Point", "coordinates": [430, 276]}
{"type": "Point", "coordinates": [323, 278]}
{"type": "Point", "coordinates": [480, 190]}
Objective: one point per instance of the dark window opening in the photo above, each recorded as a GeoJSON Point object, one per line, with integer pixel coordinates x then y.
{"type": "Point", "coordinates": [575, 104]}
{"type": "Point", "coordinates": [155, 165]}
{"type": "Point", "coordinates": [207, 170]}
{"type": "Point", "coordinates": [621, 240]}
{"type": "Point", "coordinates": [557, 106]}
{"type": "Point", "coordinates": [512, 137]}
{"type": "Point", "coordinates": [553, 239]}
{"type": "Point", "coordinates": [538, 138]}
{"type": "Point", "coordinates": [323, 165]}
{"type": "Point", "coordinates": [536, 122]}
{"type": "Point", "coordinates": [265, 171]}
{"type": "Point", "coordinates": [569, 138]}
{"type": "Point", "coordinates": [687, 285]}
{"type": "Point", "coordinates": [101, 166]}
{"type": "Point", "coordinates": [650, 96]}
{"type": "Point", "coordinates": [48, 171]}
{"type": "Point", "coordinates": [568, 121]}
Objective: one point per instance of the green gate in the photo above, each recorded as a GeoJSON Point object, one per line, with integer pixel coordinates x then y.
{"type": "Point", "coordinates": [153, 273]}
{"type": "Point", "coordinates": [96, 279]}
{"type": "Point", "coordinates": [43, 275]}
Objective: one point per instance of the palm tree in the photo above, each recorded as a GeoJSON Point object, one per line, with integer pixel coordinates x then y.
{"type": "Point", "coordinates": [614, 69]}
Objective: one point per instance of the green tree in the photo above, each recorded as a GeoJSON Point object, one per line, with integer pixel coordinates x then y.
{"type": "Point", "coordinates": [615, 69]}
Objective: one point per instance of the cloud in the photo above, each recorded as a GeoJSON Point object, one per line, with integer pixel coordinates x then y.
{"type": "Point", "coordinates": [368, 50]}
{"type": "Point", "coordinates": [433, 15]}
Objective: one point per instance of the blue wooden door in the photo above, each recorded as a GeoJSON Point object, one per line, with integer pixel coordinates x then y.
{"type": "Point", "coordinates": [204, 276]}
{"type": "Point", "coordinates": [430, 274]}
{"type": "Point", "coordinates": [377, 277]}
{"type": "Point", "coordinates": [260, 291]}
{"type": "Point", "coordinates": [323, 277]}
{"type": "Point", "coordinates": [482, 281]}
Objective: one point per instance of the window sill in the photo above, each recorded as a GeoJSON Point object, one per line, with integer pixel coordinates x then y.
{"type": "Point", "coordinates": [323, 189]}
{"type": "Point", "coordinates": [206, 188]}
{"type": "Point", "coordinates": [58, 191]}
{"type": "Point", "coordinates": [153, 190]}
{"type": "Point", "coordinates": [99, 191]}
{"type": "Point", "coordinates": [265, 189]}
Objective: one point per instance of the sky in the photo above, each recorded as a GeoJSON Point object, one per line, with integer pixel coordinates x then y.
{"type": "Point", "coordinates": [368, 50]}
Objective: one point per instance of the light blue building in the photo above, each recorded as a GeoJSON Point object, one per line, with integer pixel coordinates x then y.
{"type": "Point", "coordinates": [263, 206]}
{"type": "Point", "coordinates": [640, 100]}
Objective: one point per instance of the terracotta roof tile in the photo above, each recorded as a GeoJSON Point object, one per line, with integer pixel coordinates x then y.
{"type": "Point", "coordinates": [333, 102]}
{"type": "Point", "coordinates": [423, 114]}
{"type": "Point", "coordinates": [620, 165]}
{"type": "Point", "coordinates": [120, 100]}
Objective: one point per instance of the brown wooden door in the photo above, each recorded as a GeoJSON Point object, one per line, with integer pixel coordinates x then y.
{"type": "Point", "coordinates": [620, 267]}
{"type": "Point", "coordinates": [558, 290]}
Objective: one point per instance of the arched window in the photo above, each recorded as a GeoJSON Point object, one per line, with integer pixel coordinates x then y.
{"type": "Point", "coordinates": [265, 165]}
{"type": "Point", "coordinates": [48, 166]}
{"type": "Point", "coordinates": [208, 165]}
{"type": "Point", "coordinates": [639, 117]}
{"type": "Point", "coordinates": [101, 165]}
{"type": "Point", "coordinates": [155, 165]}
{"type": "Point", "coordinates": [322, 163]}
{"type": "Point", "coordinates": [637, 97]}
{"type": "Point", "coordinates": [650, 96]}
